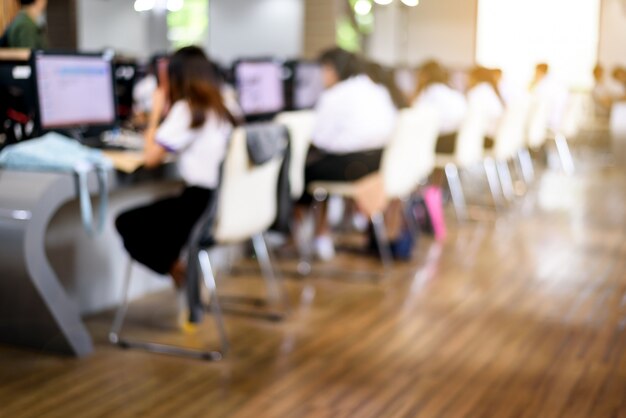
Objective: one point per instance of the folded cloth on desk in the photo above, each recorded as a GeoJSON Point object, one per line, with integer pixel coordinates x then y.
{"type": "Point", "coordinates": [56, 153]}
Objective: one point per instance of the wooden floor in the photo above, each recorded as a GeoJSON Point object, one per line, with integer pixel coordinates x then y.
{"type": "Point", "coordinates": [520, 317]}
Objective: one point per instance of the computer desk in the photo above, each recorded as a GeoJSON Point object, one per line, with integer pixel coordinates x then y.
{"type": "Point", "coordinates": [35, 310]}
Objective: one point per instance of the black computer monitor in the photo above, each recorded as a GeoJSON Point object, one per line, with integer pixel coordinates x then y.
{"type": "Point", "coordinates": [259, 85]}
{"type": "Point", "coordinates": [18, 104]}
{"type": "Point", "coordinates": [306, 84]}
{"type": "Point", "coordinates": [75, 91]}
{"type": "Point", "coordinates": [125, 72]}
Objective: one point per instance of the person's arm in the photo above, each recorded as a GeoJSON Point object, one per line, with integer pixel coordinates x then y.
{"type": "Point", "coordinates": [154, 153]}
{"type": "Point", "coordinates": [173, 135]}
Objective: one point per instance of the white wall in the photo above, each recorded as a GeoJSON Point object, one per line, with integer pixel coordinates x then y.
{"type": "Point", "coordinates": [115, 24]}
{"type": "Point", "coordinates": [441, 29]}
{"type": "Point", "coordinates": [249, 28]}
{"type": "Point", "coordinates": [612, 50]}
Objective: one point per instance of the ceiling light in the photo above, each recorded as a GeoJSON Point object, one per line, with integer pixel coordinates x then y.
{"type": "Point", "coordinates": [383, 2]}
{"type": "Point", "coordinates": [363, 7]}
{"type": "Point", "coordinates": [144, 5]}
{"type": "Point", "coordinates": [411, 3]}
{"type": "Point", "coordinates": [175, 5]}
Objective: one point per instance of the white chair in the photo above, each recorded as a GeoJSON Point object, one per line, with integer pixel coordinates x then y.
{"type": "Point", "coordinates": [509, 140]}
{"type": "Point", "coordinates": [408, 158]}
{"type": "Point", "coordinates": [245, 208]}
{"type": "Point", "coordinates": [537, 134]}
{"type": "Point", "coordinates": [568, 128]}
{"type": "Point", "coordinates": [468, 151]}
{"type": "Point", "coordinates": [300, 126]}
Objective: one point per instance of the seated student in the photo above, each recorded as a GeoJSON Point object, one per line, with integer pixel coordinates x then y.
{"type": "Point", "coordinates": [604, 92]}
{"type": "Point", "coordinates": [197, 128]}
{"type": "Point", "coordinates": [483, 93]}
{"type": "Point", "coordinates": [385, 77]}
{"type": "Point", "coordinates": [355, 119]}
{"type": "Point", "coordinates": [547, 87]}
{"type": "Point", "coordinates": [434, 91]}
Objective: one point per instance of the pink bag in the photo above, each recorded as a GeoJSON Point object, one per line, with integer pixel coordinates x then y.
{"type": "Point", "coordinates": [434, 204]}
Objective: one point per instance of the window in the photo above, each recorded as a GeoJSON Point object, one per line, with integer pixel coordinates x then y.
{"type": "Point", "coordinates": [515, 35]}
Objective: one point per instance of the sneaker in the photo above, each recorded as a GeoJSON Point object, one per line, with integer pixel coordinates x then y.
{"type": "Point", "coordinates": [324, 248]}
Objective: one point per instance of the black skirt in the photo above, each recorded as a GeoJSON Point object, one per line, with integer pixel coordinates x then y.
{"type": "Point", "coordinates": [446, 144]}
{"type": "Point", "coordinates": [154, 235]}
{"type": "Point", "coordinates": [322, 166]}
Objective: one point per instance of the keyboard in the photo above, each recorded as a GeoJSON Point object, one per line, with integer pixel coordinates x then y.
{"type": "Point", "coordinates": [124, 140]}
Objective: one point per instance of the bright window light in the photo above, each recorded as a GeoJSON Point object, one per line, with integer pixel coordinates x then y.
{"type": "Point", "coordinates": [362, 7]}
{"type": "Point", "coordinates": [383, 2]}
{"type": "Point", "coordinates": [516, 35]}
{"type": "Point", "coordinates": [411, 3]}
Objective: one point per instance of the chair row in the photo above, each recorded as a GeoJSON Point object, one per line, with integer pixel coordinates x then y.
{"type": "Point", "coordinates": [407, 161]}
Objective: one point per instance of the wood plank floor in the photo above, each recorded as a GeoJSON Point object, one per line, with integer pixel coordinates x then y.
{"type": "Point", "coordinates": [522, 317]}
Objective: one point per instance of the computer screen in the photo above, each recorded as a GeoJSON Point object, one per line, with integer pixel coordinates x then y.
{"type": "Point", "coordinates": [308, 85]}
{"type": "Point", "coordinates": [74, 90]}
{"type": "Point", "coordinates": [260, 87]}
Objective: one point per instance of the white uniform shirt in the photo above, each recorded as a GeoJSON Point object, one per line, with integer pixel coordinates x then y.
{"type": "Point", "coordinates": [484, 97]}
{"type": "Point", "coordinates": [354, 115]}
{"type": "Point", "coordinates": [447, 102]}
{"type": "Point", "coordinates": [200, 150]}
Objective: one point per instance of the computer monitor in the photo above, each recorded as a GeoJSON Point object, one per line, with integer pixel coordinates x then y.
{"type": "Point", "coordinates": [259, 85]}
{"type": "Point", "coordinates": [125, 77]}
{"type": "Point", "coordinates": [307, 85]}
{"type": "Point", "coordinates": [74, 91]}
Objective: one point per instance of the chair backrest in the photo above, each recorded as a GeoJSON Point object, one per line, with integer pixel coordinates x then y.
{"type": "Point", "coordinates": [538, 121]}
{"type": "Point", "coordinates": [247, 203]}
{"type": "Point", "coordinates": [470, 142]}
{"type": "Point", "coordinates": [573, 115]}
{"type": "Point", "coordinates": [300, 125]}
{"type": "Point", "coordinates": [511, 134]}
{"type": "Point", "coordinates": [410, 156]}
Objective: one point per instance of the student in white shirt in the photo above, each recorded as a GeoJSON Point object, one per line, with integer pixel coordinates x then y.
{"type": "Point", "coordinates": [355, 119]}
{"type": "Point", "coordinates": [548, 88]}
{"type": "Point", "coordinates": [483, 94]}
{"type": "Point", "coordinates": [604, 92]}
{"type": "Point", "coordinates": [433, 90]}
{"type": "Point", "coordinates": [197, 129]}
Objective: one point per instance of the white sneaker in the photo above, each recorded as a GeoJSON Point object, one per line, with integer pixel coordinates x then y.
{"type": "Point", "coordinates": [324, 248]}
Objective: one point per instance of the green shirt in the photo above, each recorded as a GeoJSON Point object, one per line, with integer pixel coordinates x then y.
{"type": "Point", "coordinates": [24, 33]}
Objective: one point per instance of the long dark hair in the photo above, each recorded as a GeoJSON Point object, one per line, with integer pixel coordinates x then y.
{"type": "Point", "coordinates": [386, 78]}
{"type": "Point", "coordinates": [192, 77]}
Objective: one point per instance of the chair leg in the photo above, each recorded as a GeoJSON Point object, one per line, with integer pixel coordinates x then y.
{"type": "Point", "coordinates": [118, 322]}
{"type": "Point", "coordinates": [456, 191]}
{"type": "Point", "coordinates": [565, 155]}
{"type": "Point", "coordinates": [216, 310]}
{"type": "Point", "coordinates": [526, 164]}
{"type": "Point", "coordinates": [494, 182]}
{"type": "Point", "coordinates": [275, 288]}
{"type": "Point", "coordinates": [505, 180]}
{"type": "Point", "coordinates": [382, 239]}
{"type": "Point", "coordinates": [120, 315]}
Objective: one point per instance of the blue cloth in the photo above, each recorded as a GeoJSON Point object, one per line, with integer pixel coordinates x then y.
{"type": "Point", "coordinates": [57, 153]}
